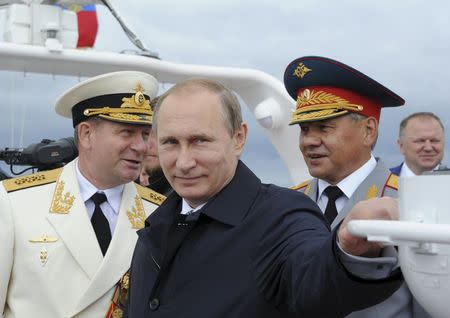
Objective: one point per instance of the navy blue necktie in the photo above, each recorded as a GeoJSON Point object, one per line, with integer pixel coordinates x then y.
{"type": "Point", "coordinates": [100, 223]}
{"type": "Point", "coordinates": [333, 193]}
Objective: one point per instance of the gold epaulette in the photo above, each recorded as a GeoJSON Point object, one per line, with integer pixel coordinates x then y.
{"type": "Point", "coordinates": [392, 181]}
{"type": "Point", "coordinates": [150, 195]}
{"type": "Point", "coordinates": [32, 180]}
{"type": "Point", "coordinates": [301, 185]}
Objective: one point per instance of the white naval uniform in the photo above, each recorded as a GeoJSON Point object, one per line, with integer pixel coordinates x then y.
{"type": "Point", "coordinates": [51, 263]}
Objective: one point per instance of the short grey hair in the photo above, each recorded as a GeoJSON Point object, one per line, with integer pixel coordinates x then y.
{"type": "Point", "coordinates": [231, 109]}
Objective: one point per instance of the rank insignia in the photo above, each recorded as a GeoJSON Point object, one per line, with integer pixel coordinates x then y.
{"type": "Point", "coordinates": [308, 189]}
{"type": "Point", "coordinates": [43, 239]}
{"type": "Point", "coordinates": [301, 70]}
{"type": "Point", "coordinates": [43, 256]}
{"type": "Point", "coordinates": [62, 201]}
{"type": "Point", "coordinates": [137, 215]}
{"type": "Point", "coordinates": [372, 192]}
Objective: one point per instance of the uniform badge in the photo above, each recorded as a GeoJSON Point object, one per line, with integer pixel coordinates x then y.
{"type": "Point", "coordinates": [62, 201]}
{"type": "Point", "coordinates": [117, 313]}
{"type": "Point", "coordinates": [308, 189]}
{"type": "Point", "coordinates": [43, 239]}
{"type": "Point", "coordinates": [139, 97]}
{"type": "Point", "coordinates": [138, 100]}
{"type": "Point", "coordinates": [301, 70]}
{"type": "Point", "coordinates": [120, 298]}
{"type": "Point", "coordinates": [137, 215]}
{"type": "Point", "coordinates": [372, 192]}
{"type": "Point", "coordinates": [43, 256]}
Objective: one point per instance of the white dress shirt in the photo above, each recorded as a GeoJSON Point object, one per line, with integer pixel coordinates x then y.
{"type": "Point", "coordinates": [348, 185]}
{"type": "Point", "coordinates": [407, 172]}
{"type": "Point", "coordinates": [110, 207]}
{"type": "Point", "coordinates": [187, 209]}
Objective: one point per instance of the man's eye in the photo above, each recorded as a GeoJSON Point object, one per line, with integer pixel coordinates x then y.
{"type": "Point", "coordinates": [169, 142]}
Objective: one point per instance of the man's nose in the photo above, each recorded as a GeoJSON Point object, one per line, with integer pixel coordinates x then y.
{"type": "Point", "coordinates": [185, 160]}
{"type": "Point", "coordinates": [428, 146]}
{"type": "Point", "coordinates": [310, 139]}
{"type": "Point", "coordinates": [140, 145]}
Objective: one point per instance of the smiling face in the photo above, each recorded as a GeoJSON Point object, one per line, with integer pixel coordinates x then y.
{"type": "Point", "coordinates": [196, 151]}
{"type": "Point", "coordinates": [111, 153]}
{"type": "Point", "coordinates": [336, 147]}
{"type": "Point", "coordinates": [422, 144]}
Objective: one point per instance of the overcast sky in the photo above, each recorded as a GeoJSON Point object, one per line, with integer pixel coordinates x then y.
{"type": "Point", "coordinates": [402, 44]}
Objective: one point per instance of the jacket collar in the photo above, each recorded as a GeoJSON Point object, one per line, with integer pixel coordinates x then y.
{"type": "Point", "coordinates": [229, 206]}
{"type": "Point", "coordinates": [232, 203]}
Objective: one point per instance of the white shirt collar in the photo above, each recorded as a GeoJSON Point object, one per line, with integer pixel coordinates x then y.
{"type": "Point", "coordinates": [407, 172]}
{"type": "Point", "coordinates": [87, 189]}
{"type": "Point", "coordinates": [349, 184]}
{"type": "Point", "coordinates": [186, 208]}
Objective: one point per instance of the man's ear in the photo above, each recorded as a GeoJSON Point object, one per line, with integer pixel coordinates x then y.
{"type": "Point", "coordinates": [400, 145]}
{"type": "Point", "coordinates": [240, 138]}
{"type": "Point", "coordinates": [85, 131]}
{"type": "Point", "coordinates": [371, 131]}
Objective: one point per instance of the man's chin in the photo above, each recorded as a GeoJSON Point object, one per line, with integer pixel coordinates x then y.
{"type": "Point", "coordinates": [189, 195]}
{"type": "Point", "coordinates": [130, 176]}
{"type": "Point", "coordinates": [316, 173]}
{"type": "Point", "coordinates": [429, 165]}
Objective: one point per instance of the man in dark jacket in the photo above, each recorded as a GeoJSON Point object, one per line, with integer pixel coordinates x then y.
{"type": "Point", "coordinates": [226, 245]}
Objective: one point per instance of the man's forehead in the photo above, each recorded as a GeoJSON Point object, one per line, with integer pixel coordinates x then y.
{"type": "Point", "coordinates": [422, 120]}
{"type": "Point", "coordinates": [183, 134]}
{"type": "Point", "coordinates": [196, 108]}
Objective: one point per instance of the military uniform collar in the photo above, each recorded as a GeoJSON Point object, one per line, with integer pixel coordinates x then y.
{"type": "Point", "coordinates": [349, 184]}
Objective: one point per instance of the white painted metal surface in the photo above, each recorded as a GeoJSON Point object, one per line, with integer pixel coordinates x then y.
{"type": "Point", "coordinates": [423, 237]}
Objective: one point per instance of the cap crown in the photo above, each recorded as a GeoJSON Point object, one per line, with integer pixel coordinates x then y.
{"type": "Point", "coordinates": [325, 88]}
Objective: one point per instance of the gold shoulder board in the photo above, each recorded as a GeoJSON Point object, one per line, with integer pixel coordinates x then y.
{"type": "Point", "coordinates": [301, 185]}
{"type": "Point", "coordinates": [392, 181]}
{"type": "Point", "coordinates": [32, 180]}
{"type": "Point", "coordinates": [150, 195]}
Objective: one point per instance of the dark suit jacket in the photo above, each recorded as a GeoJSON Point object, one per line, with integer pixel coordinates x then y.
{"type": "Point", "coordinates": [256, 250]}
{"type": "Point", "coordinates": [396, 170]}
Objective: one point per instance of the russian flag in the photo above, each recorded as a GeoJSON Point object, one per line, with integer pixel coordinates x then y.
{"type": "Point", "coordinates": [87, 25]}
